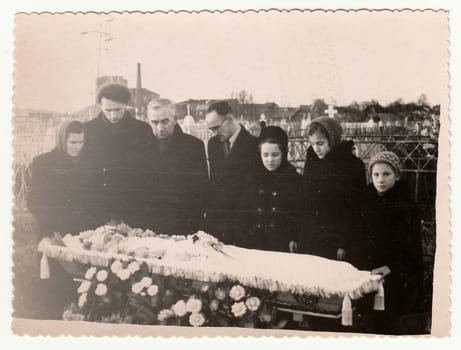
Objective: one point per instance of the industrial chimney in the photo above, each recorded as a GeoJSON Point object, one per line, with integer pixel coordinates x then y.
{"type": "Point", "coordinates": [138, 98]}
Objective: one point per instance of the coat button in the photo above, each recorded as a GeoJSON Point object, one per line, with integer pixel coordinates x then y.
{"type": "Point", "coordinates": [104, 184]}
{"type": "Point", "coordinates": [274, 193]}
{"type": "Point", "coordinates": [317, 213]}
{"type": "Point", "coordinates": [104, 169]}
{"type": "Point", "coordinates": [259, 210]}
{"type": "Point", "coordinates": [274, 209]}
{"type": "Point", "coordinates": [258, 226]}
{"type": "Point", "coordinates": [261, 192]}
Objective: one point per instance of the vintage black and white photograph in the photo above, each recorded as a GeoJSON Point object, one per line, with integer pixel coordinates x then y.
{"type": "Point", "coordinates": [262, 170]}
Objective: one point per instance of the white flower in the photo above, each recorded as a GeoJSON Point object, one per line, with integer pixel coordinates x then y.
{"type": "Point", "coordinates": [220, 294]}
{"type": "Point", "coordinates": [265, 318]}
{"type": "Point", "coordinates": [84, 287]}
{"type": "Point", "coordinates": [78, 317]}
{"type": "Point", "coordinates": [101, 289]}
{"type": "Point", "coordinates": [152, 290]}
{"type": "Point", "coordinates": [82, 300]}
{"type": "Point", "coordinates": [90, 273]}
{"type": "Point", "coordinates": [102, 275]}
{"type": "Point", "coordinates": [194, 305]}
{"type": "Point", "coordinates": [253, 303]}
{"type": "Point", "coordinates": [143, 294]}
{"type": "Point", "coordinates": [116, 266]}
{"type": "Point", "coordinates": [196, 319]}
{"type": "Point", "coordinates": [205, 288]}
{"type": "Point", "coordinates": [67, 315]}
{"type": "Point", "coordinates": [237, 292]}
{"type": "Point", "coordinates": [214, 305]}
{"type": "Point", "coordinates": [124, 274]}
{"type": "Point", "coordinates": [133, 267]}
{"type": "Point", "coordinates": [137, 288]}
{"type": "Point", "coordinates": [165, 314]}
{"type": "Point", "coordinates": [179, 308]}
{"type": "Point", "coordinates": [146, 281]}
{"type": "Point", "coordinates": [239, 309]}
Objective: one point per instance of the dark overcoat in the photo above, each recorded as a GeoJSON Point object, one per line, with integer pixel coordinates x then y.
{"type": "Point", "coordinates": [227, 176]}
{"type": "Point", "coordinates": [270, 209]}
{"type": "Point", "coordinates": [176, 185]}
{"type": "Point", "coordinates": [393, 239]}
{"type": "Point", "coordinates": [57, 194]}
{"type": "Point", "coordinates": [114, 154]}
{"type": "Point", "coordinates": [333, 189]}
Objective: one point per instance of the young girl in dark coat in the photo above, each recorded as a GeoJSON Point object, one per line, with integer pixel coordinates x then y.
{"type": "Point", "coordinates": [334, 181]}
{"type": "Point", "coordinates": [395, 242]}
{"type": "Point", "coordinates": [272, 197]}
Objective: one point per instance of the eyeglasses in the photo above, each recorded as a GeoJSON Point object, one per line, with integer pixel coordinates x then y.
{"type": "Point", "coordinates": [216, 127]}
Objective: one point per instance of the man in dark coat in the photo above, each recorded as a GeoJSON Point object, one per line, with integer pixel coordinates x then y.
{"type": "Point", "coordinates": [334, 181]}
{"type": "Point", "coordinates": [114, 141]}
{"type": "Point", "coordinates": [232, 153]}
{"type": "Point", "coordinates": [178, 174]}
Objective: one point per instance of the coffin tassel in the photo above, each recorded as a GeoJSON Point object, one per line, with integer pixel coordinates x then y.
{"type": "Point", "coordinates": [44, 268]}
{"type": "Point", "coordinates": [379, 298]}
{"type": "Point", "coordinates": [346, 317]}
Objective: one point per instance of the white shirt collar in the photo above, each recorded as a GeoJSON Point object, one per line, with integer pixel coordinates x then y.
{"type": "Point", "coordinates": [234, 136]}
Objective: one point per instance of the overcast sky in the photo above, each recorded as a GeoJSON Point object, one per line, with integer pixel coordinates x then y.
{"type": "Point", "coordinates": [289, 58]}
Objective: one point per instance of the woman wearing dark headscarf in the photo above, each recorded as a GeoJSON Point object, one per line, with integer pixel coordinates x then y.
{"type": "Point", "coordinates": [334, 180]}
{"type": "Point", "coordinates": [272, 197]}
{"type": "Point", "coordinates": [56, 199]}
{"type": "Point", "coordinates": [56, 193]}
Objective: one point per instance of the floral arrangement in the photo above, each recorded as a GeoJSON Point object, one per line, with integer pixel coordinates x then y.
{"type": "Point", "coordinates": [135, 276]}
{"type": "Point", "coordinates": [126, 292]}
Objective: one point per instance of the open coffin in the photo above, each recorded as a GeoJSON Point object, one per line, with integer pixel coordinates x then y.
{"type": "Point", "coordinates": [200, 257]}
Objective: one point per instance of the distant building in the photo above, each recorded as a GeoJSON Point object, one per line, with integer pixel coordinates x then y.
{"type": "Point", "coordinates": [251, 112]}
{"type": "Point", "coordinates": [110, 79]}
{"type": "Point", "coordinates": [140, 98]}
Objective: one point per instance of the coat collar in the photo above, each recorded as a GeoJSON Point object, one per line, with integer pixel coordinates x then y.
{"type": "Point", "coordinates": [241, 139]}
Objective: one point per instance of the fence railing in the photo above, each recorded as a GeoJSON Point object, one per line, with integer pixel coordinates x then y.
{"type": "Point", "coordinates": [418, 157]}
{"type": "Point", "coordinates": [416, 154]}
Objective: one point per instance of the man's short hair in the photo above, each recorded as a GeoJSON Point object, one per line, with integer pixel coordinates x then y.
{"type": "Point", "coordinates": [222, 108]}
{"type": "Point", "coordinates": [162, 103]}
{"type": "Point", "coordinates": [114, 92]}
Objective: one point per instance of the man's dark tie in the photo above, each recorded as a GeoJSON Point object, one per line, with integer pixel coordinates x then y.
{"type": "Point", "coordinates": [227, 148]}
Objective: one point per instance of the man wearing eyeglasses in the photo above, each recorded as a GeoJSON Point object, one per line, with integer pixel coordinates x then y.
{"type": "Point", "coordinates": [232, 153]}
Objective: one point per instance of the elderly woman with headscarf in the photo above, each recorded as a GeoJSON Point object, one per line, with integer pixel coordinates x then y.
{"type": "Point", "coordinates": [56, 199]}
{"type": "Point", "coordinates": [56, 195]}
{"type": "Point", "coordinates": [272, 199]}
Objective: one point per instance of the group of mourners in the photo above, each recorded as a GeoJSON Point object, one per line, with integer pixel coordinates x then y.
{"type": "Point", "coordinates": [240, 188]}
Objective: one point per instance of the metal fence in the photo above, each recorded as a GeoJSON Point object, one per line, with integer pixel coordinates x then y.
{"type": "Point", "coordinates": [418, 157]}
